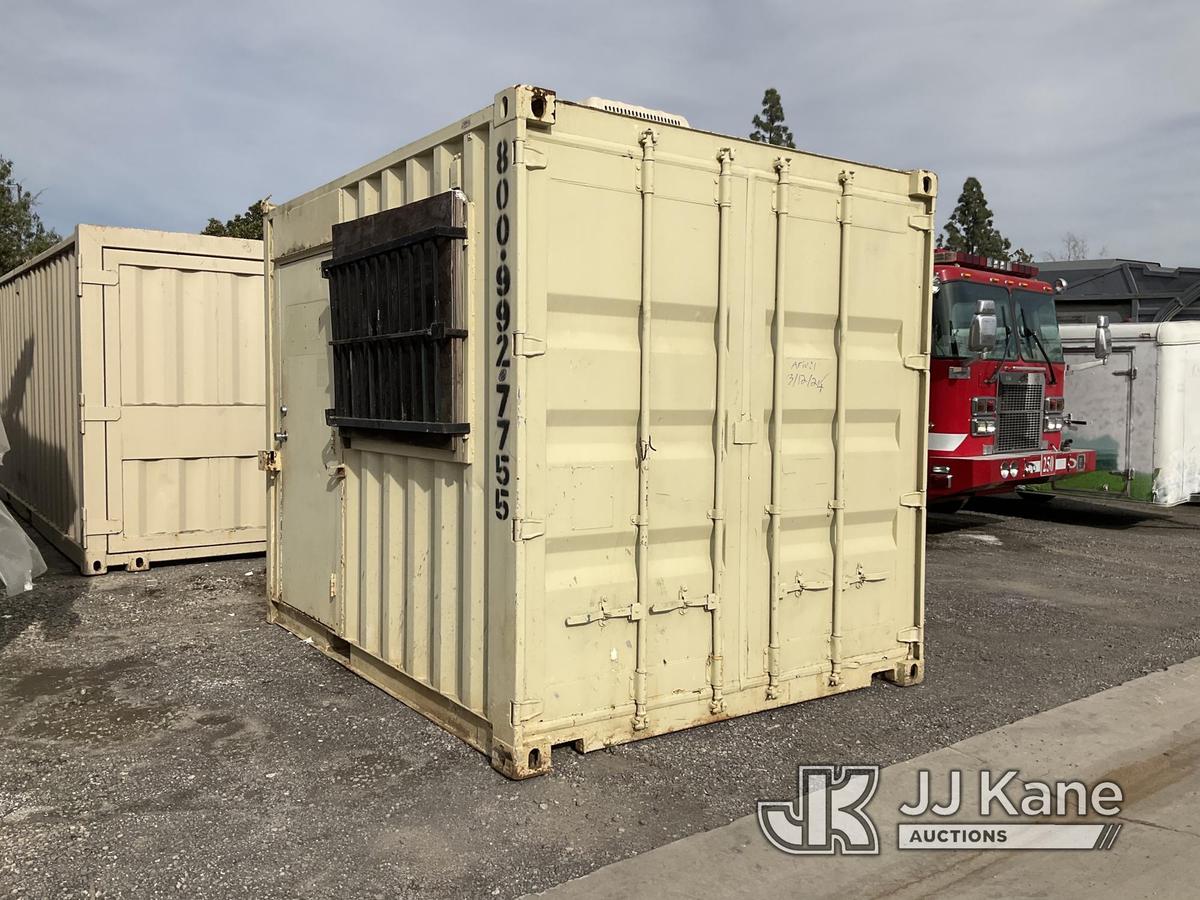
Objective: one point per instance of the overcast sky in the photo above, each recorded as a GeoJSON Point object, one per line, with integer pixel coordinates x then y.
{"type": "Point", "coordinates": [1079, 116]}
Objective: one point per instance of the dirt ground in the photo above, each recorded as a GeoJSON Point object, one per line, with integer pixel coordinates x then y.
{"type": "Point", "coordinates": [158, 738]}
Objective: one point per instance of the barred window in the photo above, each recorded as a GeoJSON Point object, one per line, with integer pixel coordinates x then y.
{"type": "Point", "coordinates": [396, 302]}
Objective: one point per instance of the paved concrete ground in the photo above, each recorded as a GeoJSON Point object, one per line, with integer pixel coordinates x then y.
{"type": "Point", "coordinates": [158, 737]}
{"type": "Point", "coordinates": [1143, 736]}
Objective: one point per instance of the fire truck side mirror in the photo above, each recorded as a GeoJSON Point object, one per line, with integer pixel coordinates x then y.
{"type": "Point", "coordinates": [982, 336]}
{"type": "Point", "coordinates": [1103, 338]}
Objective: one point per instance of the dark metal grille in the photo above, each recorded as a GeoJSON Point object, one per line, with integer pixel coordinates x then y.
{"type": "Point", "coordinates": [394, 296]}
{"type": "Point", "coordinates": [1019, 413]}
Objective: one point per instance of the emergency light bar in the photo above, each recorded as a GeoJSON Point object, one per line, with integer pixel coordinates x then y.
{"type": "Point", "coordinates": [973, 261]}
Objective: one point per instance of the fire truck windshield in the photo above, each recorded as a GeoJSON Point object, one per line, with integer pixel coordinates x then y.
{"type": "Point", "coordinates": [1023, 319]}
{"type": "Point", "coordinates": [953, 308]}
{"type": "Point", "coordinates": [1038, 322]}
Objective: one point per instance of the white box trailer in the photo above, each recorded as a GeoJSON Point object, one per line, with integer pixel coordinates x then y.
{"type": "Point", "coordinates": [133, 384]}
{"type": "Point", "coordinates": [1142, 411]}
{"type": "Point", "coordinates": [599, 426]}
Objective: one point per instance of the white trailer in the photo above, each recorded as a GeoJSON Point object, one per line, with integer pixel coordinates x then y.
{"type": "Point", "coordinates": [1140, 412]}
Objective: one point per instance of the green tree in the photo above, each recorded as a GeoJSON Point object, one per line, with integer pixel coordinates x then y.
{"type": "Point", "coordinates": [247, 225]}
{"type": "Point", "coordinates": [970, 228]}
{"type": "Point", "coordinates": [22, 234]}
{"type": "Point", "coordinates": [768, 125]}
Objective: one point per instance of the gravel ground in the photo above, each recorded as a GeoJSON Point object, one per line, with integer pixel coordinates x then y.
{"type": "Point", "coordinates": [158, 738]}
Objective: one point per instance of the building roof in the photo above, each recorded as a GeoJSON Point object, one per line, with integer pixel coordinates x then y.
{"type": "Point", "coordinates": [1130, 289]}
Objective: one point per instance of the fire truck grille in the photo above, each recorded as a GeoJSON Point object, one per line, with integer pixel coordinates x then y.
{"type": "Point", "coordinates": [1019, 416]}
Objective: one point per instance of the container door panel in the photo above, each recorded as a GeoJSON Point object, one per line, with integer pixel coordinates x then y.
{"type": "Point", "coordinates": [809, 299]}
{"type": "Point", "coordinates": [884, 426]}
{"type": "Point", "coordinates": [191, 386]}
{"type": "Point", "coordinates": [310, 489]}
{"type": "Point", "coordinates": [592, 293]}
{"type": "Point", "coordinates": [682, 430]}
{"type": "Point", "coordinates": [884, 402]}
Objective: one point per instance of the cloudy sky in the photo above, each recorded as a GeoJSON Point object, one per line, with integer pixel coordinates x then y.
{"type": "Point", "coordinates": [1076, 115]}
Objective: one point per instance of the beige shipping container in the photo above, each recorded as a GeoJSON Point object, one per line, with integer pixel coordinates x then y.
{"type": "Point", "coordinates": [572, 450]}
{"type": "Point", "coordinates": [133, 371]}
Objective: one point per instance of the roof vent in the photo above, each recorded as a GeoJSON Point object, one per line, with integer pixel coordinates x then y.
{"type": "Point", "coordinates": [637, 112]}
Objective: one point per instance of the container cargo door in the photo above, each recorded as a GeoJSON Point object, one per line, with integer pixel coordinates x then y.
{"type": "Point", "coordinates": [880, 447]}
{"type": "Point", "coordinates": [185, 378]}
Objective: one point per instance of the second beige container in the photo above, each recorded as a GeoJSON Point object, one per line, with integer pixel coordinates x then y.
{"type": "Point", "coordinates": [133, 382]}
{"type": "Point", "coordinates": [599, 426]}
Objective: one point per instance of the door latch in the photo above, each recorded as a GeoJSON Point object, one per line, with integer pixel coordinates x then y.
{"type": "Point", "coordinates": [268, 461]}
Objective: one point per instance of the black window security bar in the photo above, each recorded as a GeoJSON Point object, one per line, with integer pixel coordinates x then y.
{"type": "Point", "coordinates": [395, 285]}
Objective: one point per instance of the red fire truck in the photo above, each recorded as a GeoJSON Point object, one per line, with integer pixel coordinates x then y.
{"type": "Point", "coordinates": [996, 397]}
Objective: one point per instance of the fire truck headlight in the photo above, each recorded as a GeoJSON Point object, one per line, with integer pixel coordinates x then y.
{"type": "Point", "coordinates": [1054, 423]}
{"type": "Point", "coordinates": [981, 426]}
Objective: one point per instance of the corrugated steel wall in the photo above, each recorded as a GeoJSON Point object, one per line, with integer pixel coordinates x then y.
{"type": "Point", "coordinates": [191, 338]}
{"type": "Point", "coordinates": [414, 591]}
{"type": "Point", "coordinates": [414, 597]}
{"type": "Point", "coordinates": [39, 378]}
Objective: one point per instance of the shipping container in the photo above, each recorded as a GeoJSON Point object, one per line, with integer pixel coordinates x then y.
{"type": "Point", "coordinates": [1137, 411]}
{"type": "Point", "coordinates": [133, 371]}
{"type": "Point", "coordinates": [571, 450]}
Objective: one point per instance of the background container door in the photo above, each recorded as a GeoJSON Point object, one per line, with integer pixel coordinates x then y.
{"type": "Point", "coordinates": [185, 381]}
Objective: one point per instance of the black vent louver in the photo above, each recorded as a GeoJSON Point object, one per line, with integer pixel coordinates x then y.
{"type": "Point", "coordinates": [395, 297]}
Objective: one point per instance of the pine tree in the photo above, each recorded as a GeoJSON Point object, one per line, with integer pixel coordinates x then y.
{"type": "Point", "coordinates": [768, 126]}
{"type": "Point", "coordinates": [970, 228]}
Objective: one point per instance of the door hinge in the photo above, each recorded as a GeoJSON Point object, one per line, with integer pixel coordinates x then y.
{"type": "Point", "coordinates": [921, 223]}
{"type": "Point", "coordinates": [533, 159]}
{"type": "Point", "coordinates": [918, 362]}
{"type": "Point", "coordinates": [96, 413]}
{"type": "Point", "coordinates": [269, 461]}
{"type": "Point", "coordinates": [913, 499]}
{"type": "Point", "coordinates": [528, 529]}
{"type": "Point", "coordinates": [1130, 373]}
{"type": "Point", "coordinates": [909, 635]}
{"type": "Point", "coordinates": [101, 526]}
{"type": "Point", "coordinates": [527, 345]}
{"type": "Point", "coordinates": [682, 602]}
{"type": "Point", "coordinates": [524, 710]}
{"type": "Point", "coordinates": [332, 585]}
{"type": "Point", "coordinates": [745, 431]}
{"type": "Point", "coordinates": [633, 612]}
{"type": "Point", "coordinates": [98, 276]}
